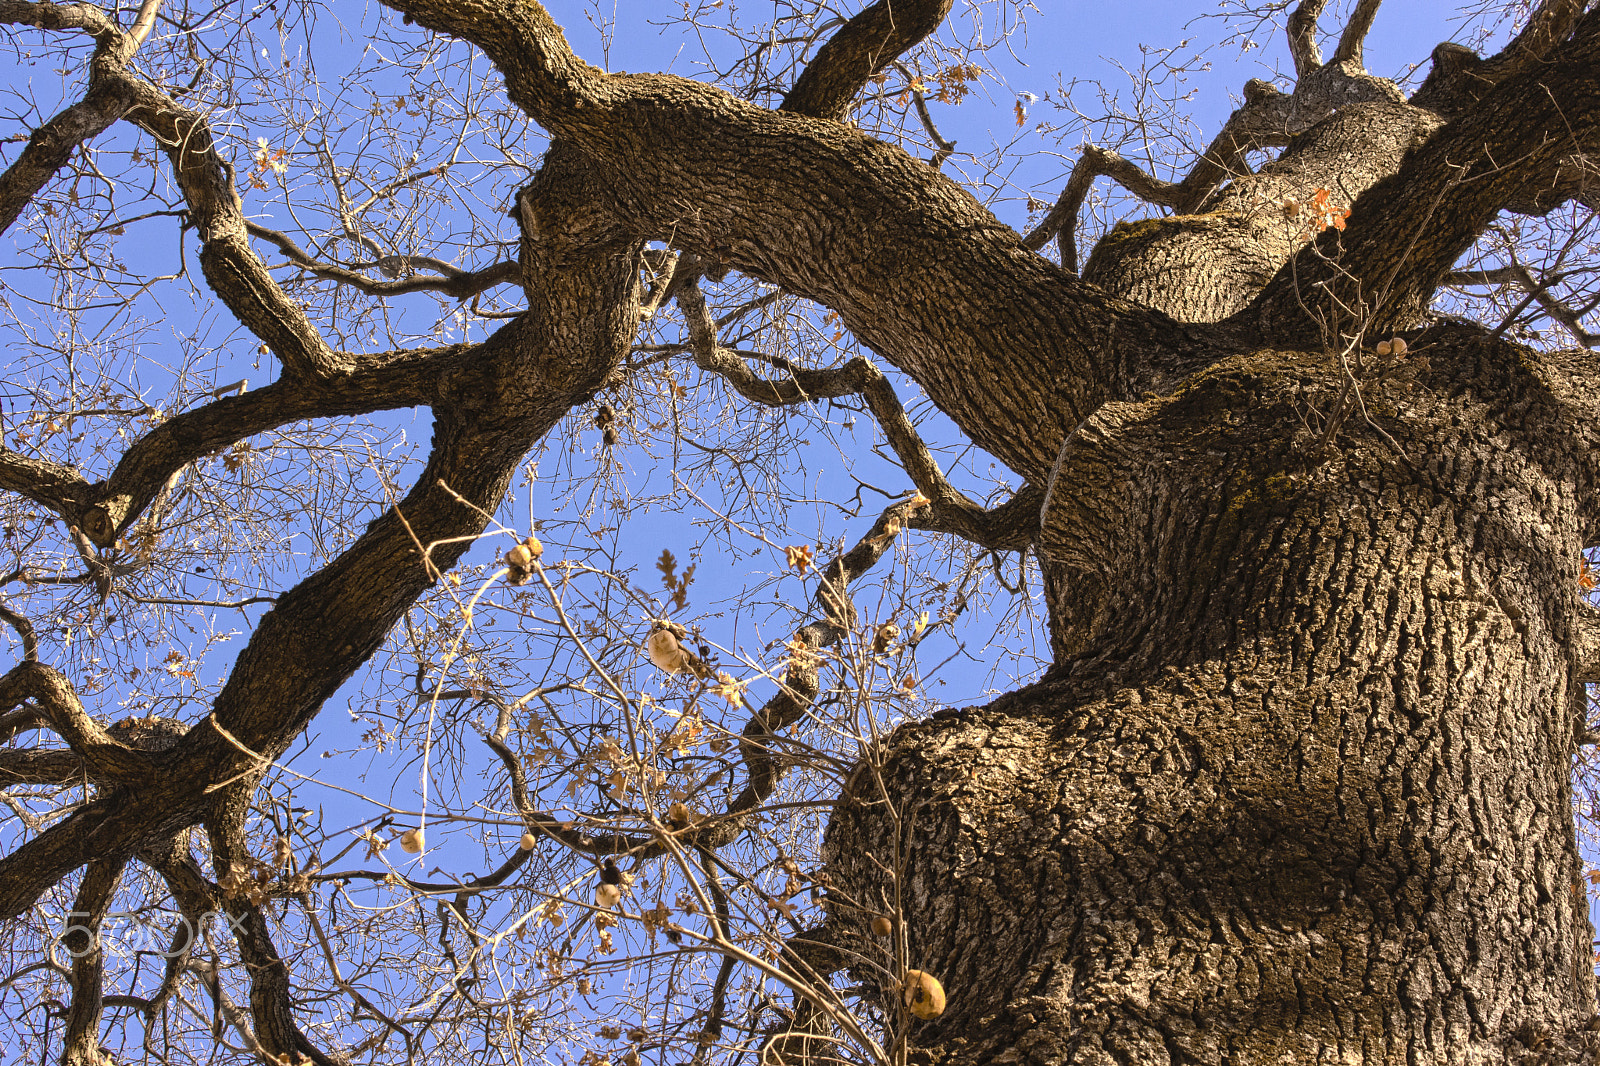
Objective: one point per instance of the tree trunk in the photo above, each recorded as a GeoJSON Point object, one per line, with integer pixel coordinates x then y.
{"type": "Point", "coordinates": [1297, 787]}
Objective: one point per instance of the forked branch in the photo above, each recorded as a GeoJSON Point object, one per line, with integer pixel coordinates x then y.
{"type": "Point", "coordinates": [1406, 232]}
{"type": "Point", "coordinates": [1537, 291]}
{"type": "Point", "coordinates": [952, 510]}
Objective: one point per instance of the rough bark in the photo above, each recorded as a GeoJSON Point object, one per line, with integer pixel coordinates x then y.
{"type": "Point", "coordinates": [1298, 791]}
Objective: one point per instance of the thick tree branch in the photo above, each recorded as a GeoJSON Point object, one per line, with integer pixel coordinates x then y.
{"type": "Point", "coordinates": [1205, 267]}
{"type": "Point", "coordinates": [53, 485]}
{"type": "Point", "coordinates": [934, 283]}
{"type": "Point", "coordinates": [1406, 232]}
{"type": "Point", "coordinates": [1459, 78]}
{"type": "Point", "coordinates": [489, 410]}
{"type": "Point", "coordinates": [106, 100]}
{"type": "Point", "coordinates": [1302, 33]}
{"type": "Point", "coordinates": [50, 16]}
{"type": "Point", "coordinates": [1549, 25]}
{"type": "Point", "coordinates": [866, 44]}
{"type": "Point", "coordinates": [1349, 48]}
{"type": "Point", "coordinates": [1266, 118]}
{"type": "Point", "coordinates": [51, 145]}
{"type": "Point", "coordinates": [40, 766]}
{"type": "Point", "coordinates": [107, 759]}
{"type": "Point", "coordinates": [1011, 526]}
{"type": "Point", "coordinates": [14, 724]}
{"type": "Point", "coordinates": [81, 1042]}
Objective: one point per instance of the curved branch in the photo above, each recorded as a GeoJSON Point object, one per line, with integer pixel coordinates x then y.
{"type": "Point", "coordinates": [102, 511]}
{"type": "Point", "coordinates": [462, 284]}
{"type": "Point", "coordinates": [144, 22]}
{"type": "Point", "coordinates": [382, 382]}
{"type": "Point", "coordinates": [953, 511]}
{"type": "Point", "coordinates": [107, 759]}
{"type": "Point", "coordinates": [920, 100]}
{"type": "Point", "coordinates": [1407, 231]}
{"type": "Point", "coordinates": [933, 282]}
{"type": "Point", "coordinates": [369, 383]}
{"type": "Point", "coordinates": [543, 76]}
{"type": "Point", "coordinates": [865, 45]}
{"type": "Point", "coordinates": [1302, 33]}
{"type": "Point", "coordinates": [81, 1042]}
{"type": "Point", "coordinates": [1266, 119]}
{"type": "Point", "coordinates": [536, 820]}
{"type": "Point", "coordinates": [231, 267]}
{"type": "Point", "coordinates": [1349, 49]}
{"type": "Point", "coordinates": [14, 724]}
{"type": "Point", "coordinates": [1548, 26]}
{"type": "Point", "coordinates": [25, 633]}
{"type": "Point", "coordinates": [802, 680]}
{"type": "Point", "coordinates": [1010, 526]}
{"type": "Point", "coordinates": [1095, 162]}
{"type": "Point", "coordinates": [1459, 78]}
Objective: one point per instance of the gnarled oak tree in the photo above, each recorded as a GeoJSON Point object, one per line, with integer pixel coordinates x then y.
{"type": "Point", "coordinates": [1294, 786]}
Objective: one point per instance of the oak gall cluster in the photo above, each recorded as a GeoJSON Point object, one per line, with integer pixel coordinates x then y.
{"type": "Point", "coordinates": [521, 560]}
{"type": "Point", "coordinates": [605, 420]}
